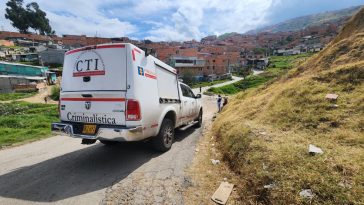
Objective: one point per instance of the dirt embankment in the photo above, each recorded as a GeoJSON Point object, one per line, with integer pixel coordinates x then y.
{"type": "Point", "coordinates": [264, 134]}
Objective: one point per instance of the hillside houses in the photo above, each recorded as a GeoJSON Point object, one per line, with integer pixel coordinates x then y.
{"type": "Point", "coordinates": [220, 54]}
{"type": "Point", "coordinates": [15, 77]}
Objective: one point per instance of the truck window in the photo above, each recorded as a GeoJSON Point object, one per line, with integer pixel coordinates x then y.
{"type": "Point", "coordinates": [186, 91]}
{"type": "Point", "coordinates": [191, 92]}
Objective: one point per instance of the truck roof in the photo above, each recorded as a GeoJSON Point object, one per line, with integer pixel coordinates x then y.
{"type": "Point", "coordinates": [111, 45]}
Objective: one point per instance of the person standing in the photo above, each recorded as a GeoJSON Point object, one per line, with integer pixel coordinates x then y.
{"type": "Point", "coordinates": [200, 89]}
{"type": "Point", "coordinates": [219, 102]}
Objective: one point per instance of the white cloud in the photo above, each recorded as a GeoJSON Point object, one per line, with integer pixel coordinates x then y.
{"type": "Point", "coordinates": [79, 17]}
{"type": "Point", "coordinates": [4, 23]}
{"type": "Point", "coordinates": [103, 27]}
{"type": "Point", "coordinates": [194, 20]}
{"type": "Point", "coordinates": [154, 19]}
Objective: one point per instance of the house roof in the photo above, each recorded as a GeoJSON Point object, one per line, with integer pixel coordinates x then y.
{"type": "Point", "coordinates": [23, 77]}
{"type": "Point", "coordinates": [7, 63]}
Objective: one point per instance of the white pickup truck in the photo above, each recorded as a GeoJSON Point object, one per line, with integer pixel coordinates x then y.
{"type": "Point", "coordinates": [115, 92]}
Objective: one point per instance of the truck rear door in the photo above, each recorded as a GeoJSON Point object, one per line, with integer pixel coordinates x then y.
{"type": "Point", "coordinates": [93, 87]}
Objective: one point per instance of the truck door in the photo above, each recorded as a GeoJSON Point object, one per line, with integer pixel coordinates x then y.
{"type": "Point", "coordinates": [188, 103]}
{"type": "Point", "coordinates": [195, 107]}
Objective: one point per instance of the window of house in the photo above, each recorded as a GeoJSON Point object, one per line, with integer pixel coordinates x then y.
{"type": "Point", "coordinates": [184, 61]}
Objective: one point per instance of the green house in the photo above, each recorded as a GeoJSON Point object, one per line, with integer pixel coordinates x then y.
{"type": "Point", "coordinates": [23, 70]}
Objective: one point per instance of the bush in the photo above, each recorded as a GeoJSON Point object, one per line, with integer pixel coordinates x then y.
{"type": "Point", "coordinates": [21, 122]}
{"type": "Point", "coordinates": [55, 93]}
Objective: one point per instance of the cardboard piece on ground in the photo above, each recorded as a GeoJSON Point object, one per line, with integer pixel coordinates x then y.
{"type": "Point", "coordinates": [331, 96]}
{"type": "Point", "coordinates": [222, 194]}
{"type": "Point", "coordinates": [312, 149]}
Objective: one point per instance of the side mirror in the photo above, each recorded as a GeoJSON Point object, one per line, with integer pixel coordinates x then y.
{"type": "Point", "coordinates": [198, 96]}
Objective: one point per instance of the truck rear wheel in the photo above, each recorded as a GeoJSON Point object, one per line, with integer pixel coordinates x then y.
{"type": "Point", "coordinates": [164, 140]}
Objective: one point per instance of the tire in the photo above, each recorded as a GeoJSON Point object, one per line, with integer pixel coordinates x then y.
{"type": "Point", "coordinates": [108, 143]}
{"type": "Point", "coordinates": [199, 119]}
{"type": "Point", "coordinates": [164, 140]}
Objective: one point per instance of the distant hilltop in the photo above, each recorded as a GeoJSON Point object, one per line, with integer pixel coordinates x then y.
{"type": "Point", "coordinates": [299, 23]}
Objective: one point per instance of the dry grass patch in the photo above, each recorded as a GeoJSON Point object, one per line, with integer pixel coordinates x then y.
{"type": "Point", "coordinates": [264, 133]}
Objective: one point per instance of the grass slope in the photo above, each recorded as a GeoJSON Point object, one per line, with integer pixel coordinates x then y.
{"type": "Point", "coordinates": [22, 122]}
{"type": "Point", "coordinates": [205, 84]}
{"type": "Point", "coordinates": [279, 65]}
{"type": "Point", "coordinates": [15, 96]}
{"type": "Point", "coordinates": [264, 133]}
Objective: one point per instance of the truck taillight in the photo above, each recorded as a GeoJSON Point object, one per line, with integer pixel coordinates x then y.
{"type": "Point", "coordinates": [133, 110]}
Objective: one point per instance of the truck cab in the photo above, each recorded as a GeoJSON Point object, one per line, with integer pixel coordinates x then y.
{"type": "Point", "coordinates": [115, 92]}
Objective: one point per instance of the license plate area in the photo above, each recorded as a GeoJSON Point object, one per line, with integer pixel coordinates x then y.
{"type": "Point", "coordinates": [89, 129]}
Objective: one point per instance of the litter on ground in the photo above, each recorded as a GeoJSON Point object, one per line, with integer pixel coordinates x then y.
{"type": "Point", "coordinates": [331, 96]}
{"type": "Point", "coordinates": [307, 194]}
{"type": "Point", "coordinates": [222, 194]}
{"type": "Point", "coordinates": [215, 161]}
{"type": "Point", "coordinates": [312, 149]}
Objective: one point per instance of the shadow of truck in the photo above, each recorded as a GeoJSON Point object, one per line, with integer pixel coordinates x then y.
{"type": "Point", "coordinates": [80, 172]}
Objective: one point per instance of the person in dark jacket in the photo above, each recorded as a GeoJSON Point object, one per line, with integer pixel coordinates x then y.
{"type": "Point", "coordinates": [219, 103]}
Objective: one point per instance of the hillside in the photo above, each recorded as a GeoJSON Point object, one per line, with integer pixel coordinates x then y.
{"type": "Point", "coordinates": [264, 133]}
{"type": "Point", "coordinates": [303, 22]}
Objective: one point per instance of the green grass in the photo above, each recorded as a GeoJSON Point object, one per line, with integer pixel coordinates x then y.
{"type": "Point", "coordinates": [286, 62]}
{"type": "Point", "coordinates": [279, 65]}
{"type": "Point", "coordinates": [14, 47]}
{"type": "Point", "coordinates": [15, 96]}
{"type": "Point", "coordinates": [22, 122]}
{"type": "Point", "coordinates": [205, 84]}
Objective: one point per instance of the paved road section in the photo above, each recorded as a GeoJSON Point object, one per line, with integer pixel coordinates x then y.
{"type": "Point", "coordinates": [59, 170]}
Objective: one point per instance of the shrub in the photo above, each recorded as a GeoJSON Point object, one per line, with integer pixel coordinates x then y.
{"type": "Point", "coordinates": [55, 93]}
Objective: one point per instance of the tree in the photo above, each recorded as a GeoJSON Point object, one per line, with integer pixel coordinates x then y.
{"type": "Point", "coordinates": [17, 15]}
{"type": "Point", "coordinates": [188, 78]}
{"type": "Point", "coordinates": [289, 38]}
{"type": "Point", "coordinates": [39, 21]}
{"type": "Point", "coordinates": [31, 17]}
{"type": "Point", "coordinates": [260, 50]}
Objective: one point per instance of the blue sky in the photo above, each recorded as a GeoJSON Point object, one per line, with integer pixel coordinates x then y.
{"type": "Point", "coordinates": [171, 20]}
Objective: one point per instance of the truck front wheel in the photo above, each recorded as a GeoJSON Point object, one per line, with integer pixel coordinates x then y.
{"type": "Point", "coordinates": [164, 140]}
{"type": "Point", "coordinates": [199, 120]}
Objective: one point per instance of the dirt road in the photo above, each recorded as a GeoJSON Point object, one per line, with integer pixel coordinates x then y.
{"type": "Point", "coordinates": [39, 98]}
{"type": "Point", "coordinates": [59, 170]}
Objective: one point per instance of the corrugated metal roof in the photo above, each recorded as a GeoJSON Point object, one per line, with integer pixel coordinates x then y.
{"type": "Point", "coordinates": [23, 77]}
{"type": "Point", "coordinates": [7, 63]}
